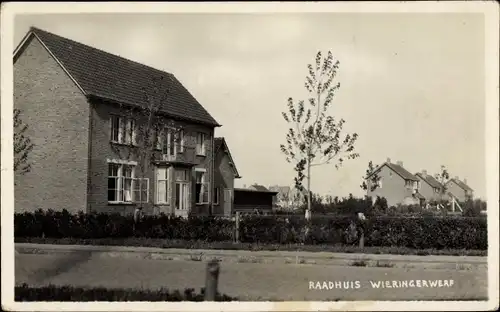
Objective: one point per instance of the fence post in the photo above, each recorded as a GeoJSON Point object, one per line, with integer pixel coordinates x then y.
{"type": "Point", "coordinates": [237, 227]}
{"type": "Point", "coordinates": [212, 279]}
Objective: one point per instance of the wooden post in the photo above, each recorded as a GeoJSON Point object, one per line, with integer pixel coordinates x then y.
{"type": "Point", "coordinates": [453, 204]}
{"type": "Point", "coordinates": [212, 279]}
{"type": "Point", "coordinates": [237, 227]}
{"type": "Point", "coordinates": [362, 239]}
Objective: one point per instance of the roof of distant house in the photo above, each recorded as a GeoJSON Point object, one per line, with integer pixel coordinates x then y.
{"type": "Point", "coordinates": [258, 187]}
{"type": "Point", "coordinates": [280, 189]}
{"type": "Point", "coordinates": [109, 77]}
{"type": "Point", "coordinates": [220, 143]}
{"type": "Point", "coordinates": [405, 174]}
{"type": "Point", "coordinates": [461, 184]}
{"type": "Point", "coordinates": [430, 180]}
{"type": "Point", "coordinates": [254, 190]}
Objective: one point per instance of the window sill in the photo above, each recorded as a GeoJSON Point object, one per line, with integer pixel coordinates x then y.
{"type": "Point", "coordinates": [124, 144]}
{"type": "Point", "coordinates": [121, 203]}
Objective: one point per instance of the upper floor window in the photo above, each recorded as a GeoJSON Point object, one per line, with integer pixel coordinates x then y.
{"type": "Point", "coordinates": [123, 130]}
{"type": "Point", "coordinates": [170, 141]}
{"type": "Point", "coordinates": [200, 144]}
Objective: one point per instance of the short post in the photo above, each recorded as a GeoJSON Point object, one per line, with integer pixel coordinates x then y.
{"type": "Point", "coordinates": [361, 229]}
{"type": "Point", "coordinates": [212, 279]}
{"type": "Point", "coordinates": [237, 227]}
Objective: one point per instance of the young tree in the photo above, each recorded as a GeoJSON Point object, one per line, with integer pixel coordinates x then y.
{"type": "Point", "coordinates": [147, 133]}
{"type": "Point", "coordinates": [314, 137]}
{"type": "Point", "coordinates": [374, 179]}
{"type": "Point", "coordinates": [443, 177]}
{"type": "Point", "coordinates": [22, 145]}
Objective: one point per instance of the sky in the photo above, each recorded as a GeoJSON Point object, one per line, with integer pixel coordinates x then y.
{"type": "Point", "coordinates": [412, 85]}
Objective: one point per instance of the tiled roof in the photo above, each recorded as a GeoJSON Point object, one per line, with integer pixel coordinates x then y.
{"type": "Point", "coordinates": [260, 188]}
{"type": "Point", "coordinates": [430, 180]}
{"type": "Point", "coordinates": [462, 185]}
{"type": "Point", "coordinates": [111, 77]}
{"type": "Point", "coordinates": [405, 174]}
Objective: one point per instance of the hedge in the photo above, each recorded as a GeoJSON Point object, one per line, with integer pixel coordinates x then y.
{"type": "Point", "coordinates": [423, 232]}
{"type": "Point", "coordinates": [69, 293]}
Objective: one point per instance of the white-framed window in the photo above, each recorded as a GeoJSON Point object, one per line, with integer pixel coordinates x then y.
{"type": "Point", "coordinates": [170, 141]}
{"type": "Point", "coordinates": [202, 190]}
{"type": "Point", "coordinates": [182, 189]}
{"type": "Point", "coordinates": [124, 187]}
{"type": "Point", "coordinates": [123, 130]}
{"type": "Point", "coordinates": [216, 195]}
{"type": "Point", "coordinates": [200, 144]}
{"type": "Point", "coordinates": [162, 185]}
{"type": "Point", "coordinates": [408, 183]}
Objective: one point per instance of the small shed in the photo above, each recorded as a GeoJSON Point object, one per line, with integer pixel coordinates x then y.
{"type": "Point", "coordinates": [249, 200]}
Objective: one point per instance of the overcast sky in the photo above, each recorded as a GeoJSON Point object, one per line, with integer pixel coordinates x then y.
{"type": "Point", "coordinates": [412, 85]}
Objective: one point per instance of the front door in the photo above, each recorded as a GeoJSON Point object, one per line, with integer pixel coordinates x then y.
{"type": "Point", "coordinates": [228, 201]}
{"type": "Point", "coordinates": [182, 194]}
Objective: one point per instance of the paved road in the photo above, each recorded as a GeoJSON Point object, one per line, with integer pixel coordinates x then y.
{"type": "Point", "coordinates": [252, 281]}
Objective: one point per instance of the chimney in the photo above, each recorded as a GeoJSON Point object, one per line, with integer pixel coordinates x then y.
{"type": "Point", "coordinates": [456, 178]}
{"type": "Point", "coordinates": [465, 181]}
{"type": "Point", "coordinates": [399, 163]}
{"type": "Point", "coordinates": [424, 173]}
{"type": "Point", "coordinates": [388, 160]}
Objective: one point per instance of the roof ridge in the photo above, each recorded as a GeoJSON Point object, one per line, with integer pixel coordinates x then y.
{"type": "Point", "coordinates": [35, 29]}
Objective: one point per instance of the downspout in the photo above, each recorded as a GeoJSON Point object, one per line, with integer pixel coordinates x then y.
{"type": "Point", "coordinates": [213, 173]}
{"type": "Point", "coordinates": [89, 157]}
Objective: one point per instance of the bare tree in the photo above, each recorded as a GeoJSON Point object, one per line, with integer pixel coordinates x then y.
{"type": "Point", "coordinates": [314, 137]}
{"type": "Point", "coordinates": [22, 145]}
{"type": "Point", "coordinates": [372, 177]}
{"type": "Point", "coordinates": [146, 133]}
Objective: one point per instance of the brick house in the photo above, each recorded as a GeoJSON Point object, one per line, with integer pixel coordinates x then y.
{"type": "Point", "coordinates": [396, 184]}
{"type": "Point", "coordinates": [76, 101]}
{"type": "Point", "coordinates": [459, 189]}
{"type": "Point", "coordinates": [224, 175]}
{"type": "Point", "coordinates": [430, 188]}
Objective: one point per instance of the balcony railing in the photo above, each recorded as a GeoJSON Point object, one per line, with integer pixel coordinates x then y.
{"type": "Point", "coordinates": [178, 154]}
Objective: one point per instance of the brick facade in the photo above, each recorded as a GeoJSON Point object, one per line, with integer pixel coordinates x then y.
{"type": "Point", "coordinates": [72, 145]}
{"type": "Point", "coordinates": [57, 115]}
{"type": "Point", "coordinates": [224, 180]}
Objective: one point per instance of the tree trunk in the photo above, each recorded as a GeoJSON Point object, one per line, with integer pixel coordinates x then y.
{"type": "Point", "coordinates": [308, 210]}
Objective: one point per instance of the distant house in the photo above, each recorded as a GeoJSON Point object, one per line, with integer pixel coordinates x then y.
{"type": "Point", "coordinates": [224, 174]}
{"type": "Point", "coordinates": [257, 187]}
{"type": "Point", "coordinates": [396, 184]}
{"type": "Point", "coordinates": [459, 189]}
{"type": "Point", "coordinates": [287, 197]}
{"type": "Point", "coordinates": [249, 200]}
{"type": "Point", "coordinates": [430, 188]}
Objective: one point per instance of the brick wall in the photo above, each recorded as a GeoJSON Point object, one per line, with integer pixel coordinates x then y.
{"type": "Point", "coordinates": [57, 115]}
{"type": "Point", "coordinates": [102, 150]}
{"type": "Point", "coordinates": [223, 179]}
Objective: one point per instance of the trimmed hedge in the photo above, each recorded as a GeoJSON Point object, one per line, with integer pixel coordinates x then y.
{"type": "Point", "coordinates": [69, 293]}
{"type": "Point", "coordinates": [422, 232]}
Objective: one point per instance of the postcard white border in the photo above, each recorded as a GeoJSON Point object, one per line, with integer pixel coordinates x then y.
{"type": "Point", "coordinates": [491, 13]}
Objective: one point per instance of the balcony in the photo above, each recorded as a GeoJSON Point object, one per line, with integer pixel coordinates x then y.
{"type": "Point", "coordinates": [178, 154]}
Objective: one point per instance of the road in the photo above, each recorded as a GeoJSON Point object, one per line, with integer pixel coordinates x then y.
{"type": "Point", "coordinates": [253, 281]}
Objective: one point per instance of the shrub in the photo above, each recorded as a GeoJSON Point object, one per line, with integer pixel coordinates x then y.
{"type": "Point", "coordinates": [418, 231]}
{"type": "Point", "coordinates": [69, 293]}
